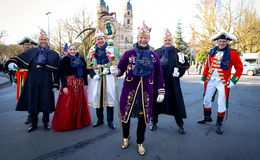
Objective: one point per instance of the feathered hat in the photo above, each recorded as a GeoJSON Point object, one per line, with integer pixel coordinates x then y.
{"type": "Point", "coordinates": [224, 35]}
{"type": "Point", "coordinates": [99, 33]}
{"type": "Point", "coordinates": [167, 35]}
{"type": "Point", "coordinates": [43, 34]}
{"type": "Point", "coordinates": [144, 30]}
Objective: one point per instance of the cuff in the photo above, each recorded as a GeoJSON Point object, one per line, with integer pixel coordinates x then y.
{"type": "Point", "coordinates": [203, 78]}
{"type": "Point", "coordinates": [55, 85]}
{"type": "Point", "coordinates": [161, 91]}
{"type": "Point", "coordinates": [234, 79]}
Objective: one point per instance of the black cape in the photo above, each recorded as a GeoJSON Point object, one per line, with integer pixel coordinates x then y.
{"type": "Point", "coordinates": [37, 95]}
{"type": "Point", "coordinates": [173, 103]}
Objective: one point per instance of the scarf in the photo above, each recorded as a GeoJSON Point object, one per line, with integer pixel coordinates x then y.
{"type": "Point", "coordinates": [41, 57]}
{"type": "Point", "coordinates": [164, 55]}
{"type": "Point", "coordinates": [101, 55]}
{"type": "Point", "coordinates": [225, 58]}
{"type": "Point", "coordinates": [143, 63]}
{"type": "Point", "coordinates": [77, 62]}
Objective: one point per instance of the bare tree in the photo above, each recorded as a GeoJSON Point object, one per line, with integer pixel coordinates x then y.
{"type": "Point", "coordinates": [215, 15]}
{"type": "Point", "coordinates": [58, 37]}
{"type": "Point", "coordinates": [2, 34]}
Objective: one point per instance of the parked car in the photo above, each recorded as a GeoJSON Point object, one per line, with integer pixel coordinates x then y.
{"type": "Point", "coordinates": [250, 69]}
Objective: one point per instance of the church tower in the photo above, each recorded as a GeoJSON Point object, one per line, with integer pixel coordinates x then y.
{"type": "Point", "coordinates": [128, 16]}
{"type": "Point", "coordinates": [128, 23]}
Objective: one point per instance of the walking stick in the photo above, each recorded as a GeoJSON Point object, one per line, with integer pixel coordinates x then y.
{"type": "Point", "coordinates": [117, 100]}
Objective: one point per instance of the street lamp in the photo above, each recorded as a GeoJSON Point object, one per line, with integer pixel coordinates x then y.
{"type": "Point", "coordinates": [47, 14]}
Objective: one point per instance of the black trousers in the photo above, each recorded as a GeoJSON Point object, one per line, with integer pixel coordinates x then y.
{"type": "Point", "coordinates": [45, 118]}
{"type": "Point", "coordinates": [140, 132]}
{"type": "Point", "coordinates": [178, 119]}
{"type": "Point", "coordinates": [110, 114]}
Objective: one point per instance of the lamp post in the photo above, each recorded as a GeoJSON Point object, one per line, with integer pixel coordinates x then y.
{"type": "Point", "coordinates": [47, 14]}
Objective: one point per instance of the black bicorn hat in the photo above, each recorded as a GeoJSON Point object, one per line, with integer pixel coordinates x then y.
{"type": "Point", "coordinates": [224, 35]}
{"type": "Point", "coordinates": [27, 40]}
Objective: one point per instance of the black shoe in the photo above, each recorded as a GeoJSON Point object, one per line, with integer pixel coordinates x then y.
{"type": "Point", "coordinates": [205, 120]}
{"type": "Point", "coordinates": [153, 127]}
{"type": "Point", "coordinates": [31, 128]}
{"type": "Point", "coordinates": [218, 129]}
{"type": "Point", "coordinates": [182, 130]}
{"type": "Point", "coordinates": [28, 121]}
{"type": "Point", "coordinates": [97, 124]}
{"type": "Point", "coordinates": [46, 127]}
{"type": "Point", "coordinates": [111, 125]}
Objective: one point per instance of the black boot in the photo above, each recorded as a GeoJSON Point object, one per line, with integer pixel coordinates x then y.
{"type": "Point", "coordinates": [219, 125]}
{"type": "Point", "coordinates": [28, 120]}
{"type": "Point", "coordinates": [111, 125]}
{"type": "Point", "coordinates": [207, 117]}
{"type": "Point", "coordinates": [98, 123]}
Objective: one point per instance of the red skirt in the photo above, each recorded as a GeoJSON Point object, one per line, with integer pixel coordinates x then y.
{"type": "Point", "coordinates": [72, 111]}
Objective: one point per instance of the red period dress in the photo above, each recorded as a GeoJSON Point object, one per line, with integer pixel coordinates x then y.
{"type": "Point", "coordinates": [72, 111]}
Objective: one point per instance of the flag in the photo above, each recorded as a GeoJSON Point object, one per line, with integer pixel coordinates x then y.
{"type": "Point", "coordinates": [65, 50]}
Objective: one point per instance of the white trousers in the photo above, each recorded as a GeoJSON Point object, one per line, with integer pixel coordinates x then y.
{"type": "Point", "coordinates": [210, 89]}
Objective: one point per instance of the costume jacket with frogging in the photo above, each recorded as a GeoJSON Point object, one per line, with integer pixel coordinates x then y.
{"type": "Point", "coordinates": [106, 84]}
{"type": "Point", "coordinates": [213, 62]}
{"type": "Point", "coordinates": [37, 95]}
{"type": "Point", "coordinates": [132, 83]}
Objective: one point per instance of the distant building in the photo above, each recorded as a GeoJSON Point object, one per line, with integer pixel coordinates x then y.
{"type": "Point", "coordinates": [123, 36]}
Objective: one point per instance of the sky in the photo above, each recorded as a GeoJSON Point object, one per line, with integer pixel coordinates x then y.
{"type": "Point", "coordinates": [21, 18]}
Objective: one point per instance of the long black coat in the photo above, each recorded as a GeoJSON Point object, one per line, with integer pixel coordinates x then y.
{"type": "Point", "coordinates": [37, 95]}
{"type": "Point", "coordinates": [173, 103]}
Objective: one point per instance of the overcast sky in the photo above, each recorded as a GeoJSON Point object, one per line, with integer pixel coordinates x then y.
{"type": "Point", "coordinates": [21, 18]}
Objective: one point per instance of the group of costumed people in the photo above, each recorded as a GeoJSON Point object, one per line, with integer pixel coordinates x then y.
{"type": "Point", "coordinates": [151, 84]}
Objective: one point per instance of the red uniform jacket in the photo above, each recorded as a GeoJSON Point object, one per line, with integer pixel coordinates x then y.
{"type": "Point", "coordinates": [225, 75]}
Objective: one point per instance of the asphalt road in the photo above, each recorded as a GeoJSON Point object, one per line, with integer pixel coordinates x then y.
{"type": "Point", "coordinates": [240, 141]}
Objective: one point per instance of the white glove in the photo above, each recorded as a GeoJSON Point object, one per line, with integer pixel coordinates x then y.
{"type": "Point", "coordinates": [160, 98]}
{"type": "Point", "coordinates": [96, 77]}
{"type": "Point", "coordinates": [181, 57]}
{"type": "Point", "coordinates": [105, 71]}
{"type": "Point", "coordinates": [230, 84]}
{"type": "Point", "coordinates": [12, 66]}
{"type": "Point", "coordinates": [114, 70]}
{"type": "Point", "coordinates": [14, 85]}
{"type": "Point", "coordinates": [176, 72]}
{"type": "Point", "coordinates": [202, 83]}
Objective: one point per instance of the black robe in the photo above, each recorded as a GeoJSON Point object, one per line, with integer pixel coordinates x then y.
{"type": "Point", "coordinates": [173, 103]}
{"type": "Point", "coordinates": [37, 95]}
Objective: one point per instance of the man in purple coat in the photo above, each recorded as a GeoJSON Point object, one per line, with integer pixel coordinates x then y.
{"type": "Point", "coordinates": [142, 68]}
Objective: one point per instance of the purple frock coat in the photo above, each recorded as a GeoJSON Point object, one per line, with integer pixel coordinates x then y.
{"type": "Point", "coordinates": [132, 83]}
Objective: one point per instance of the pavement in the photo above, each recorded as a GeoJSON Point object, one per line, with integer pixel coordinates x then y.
{"type": "Point", "coordinates": [4, 79]}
